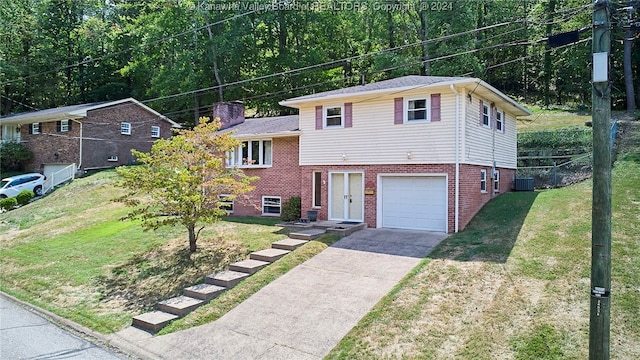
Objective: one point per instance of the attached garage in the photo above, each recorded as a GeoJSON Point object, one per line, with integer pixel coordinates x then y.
{"type": "Point", "coordinates": [412, 202]}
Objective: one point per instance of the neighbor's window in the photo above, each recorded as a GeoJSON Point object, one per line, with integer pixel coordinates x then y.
{"type": "Point", "coordinates": [155, 131]}
{"type": "Point", "coordinates": [125, 128]}
{"type": "Point", "coordinates": [271, 205]}
{"type": "Point", "coordinates": [35, 128]}
{"type": "Point", "coordinates": [317, 189]}
{"type": "Point", "coordinates": [496, 181]}
{"type": "Point", "coordinates": [333, 116]}
{"type": "Point", "coordinates": [225, 202]}
{"type": "Point", "coordinates": [483, 180]}
{"type": "Point", "coordinates": [256, 153]}
{"type": "Point", "coordinates": [499, 121]}
{"type": "Point", "coordinates": [64, 125]}
{"type": "Point", "coordinates": [485, 116]}
{"type": "Point", "coordinates": [417, 110]}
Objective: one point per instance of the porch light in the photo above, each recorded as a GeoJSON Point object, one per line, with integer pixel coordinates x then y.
{"type": "Point", "coordinates": [344, 156]}
{"type": "Point", "coordinates": [409, 154]}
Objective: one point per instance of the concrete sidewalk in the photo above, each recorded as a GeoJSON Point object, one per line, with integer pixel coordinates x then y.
{"type": "Point", "coordinates": [304, 313]}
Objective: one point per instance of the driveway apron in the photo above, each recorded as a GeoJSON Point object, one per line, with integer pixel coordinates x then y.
{"type": "Point", "coordinates": [304, 313]}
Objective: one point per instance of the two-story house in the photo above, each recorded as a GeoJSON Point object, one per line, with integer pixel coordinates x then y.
{"type": "Point", "coordinates": [416, 152]}
{"type": "Point", "coordinates": [89, 136]}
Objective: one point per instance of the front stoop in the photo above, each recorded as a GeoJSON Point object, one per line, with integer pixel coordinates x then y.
{"type": "Point", "coordinates": [204, 292]}
{"type": "Point", "coordinates": [153, 321]}
{"type": "Point", "coordinates": [268, 255]}
{"type": "Point", "coordinates": [288, 244]}
{"type": "Point", "coordinates": [248, 266]}
{"type": "Point", "coordinates": [181, 305]}
{"type": "Point", "coordinates": [310, 234]}
{"type": "Point", "coordinates": [226, 278]}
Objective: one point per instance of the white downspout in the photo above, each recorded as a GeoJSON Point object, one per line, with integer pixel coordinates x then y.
{"type": "Point", "coordinates": [457, 186]}
{"type": "Point", "coordinates": [80, 155]}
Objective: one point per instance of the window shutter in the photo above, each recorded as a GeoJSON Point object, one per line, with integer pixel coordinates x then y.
{"type": "Point", "coordinates": [69, 124]}
{"type": "Point", "coordinates": [347, 115]}
{"type": "Point", "coordinates": [492, 117]}
{"type": "Point", "coordinates": [481, 111]}
{"type": "Point", "coordinates": [435, 107]}
{"type": "Point", "coordinates": [318, 117]}
{"type": "Point", "coordinates": [58, 125]}
{"type": "Point", "coordinates": [398, 112]}
{"type": "Point", "coordinates": [30, 128]}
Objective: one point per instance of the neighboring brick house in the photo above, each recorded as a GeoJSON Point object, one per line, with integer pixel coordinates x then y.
{"type": "Point", "coordinates": [91, 136]}
{"type": "Point", "coordinates": [415, 152]}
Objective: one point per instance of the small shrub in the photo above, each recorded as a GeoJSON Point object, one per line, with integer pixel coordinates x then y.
{"type": "Point", "coordinates": [24, 197]}
{"type": "Point", "coordinates": [8, 203]}
{"type": "Point", "coordinates": [291, 209]}
{"type": "Point", "coordinates": [14, 156]}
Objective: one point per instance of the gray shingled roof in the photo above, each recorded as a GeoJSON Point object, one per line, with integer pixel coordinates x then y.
{"type": "Point", "coordinates": [278, 125]}
{"type": "Point", "coordinates": [52, 111]}
{"type": "Point", "coordinates": [401, 82]}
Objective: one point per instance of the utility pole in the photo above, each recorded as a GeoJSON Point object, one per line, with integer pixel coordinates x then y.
{"type": "Point", "coordinates": [600, 310]}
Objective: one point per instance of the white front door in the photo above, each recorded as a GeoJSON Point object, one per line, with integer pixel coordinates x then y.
{"type": "Point", "coordinates": [346, 196]}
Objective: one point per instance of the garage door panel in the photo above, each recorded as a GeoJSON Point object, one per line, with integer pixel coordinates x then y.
{"type": "Point", "coordinates": [414, 202]}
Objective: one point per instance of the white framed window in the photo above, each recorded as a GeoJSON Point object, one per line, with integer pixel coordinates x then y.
{"type": "Point", "coordinates": [113, 158]}
{"type": "Point", "coordinates": [483, 180]}
{"type": "Point", "coordinates": [64, 125]}
{"type": "Point", "coordinates": [496, 181]}
{"type": "Point", "coordinates": [499, 121]}
{"type": "Point", "coordinates": [417, 110]}
{"type": "Point", "coordinates": [317, 189]}
{"type": "Point", "coordinates": [125, 128]}
{"type": "Point", "coordinates": [333, 116]}
{"type": "Point", "coordinates": [251, 153]}
{"type": "Point", "coordinates": [155, 131]}
{"type": "Point", "coordinates": [225, 202]}
{"type": "Point", "coordinates": [35, 128]}
{"type": "Point", "coordinates": [271, 205]}
{"type": "Point", "coordinates": [486, 116]}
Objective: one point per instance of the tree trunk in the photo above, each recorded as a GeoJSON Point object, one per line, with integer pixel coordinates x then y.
{"type": "Point", "coordinates": [214, 57]}
{"type": "Point", "coordinates": [628, 72]}
{"type": "Point", "coordinates": [192, 238]}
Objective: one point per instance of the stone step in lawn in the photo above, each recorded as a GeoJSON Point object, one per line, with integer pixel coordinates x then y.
{"type": "Point", "coordinates": [288, 244]}
{"type": "Point", "coordinates": [204, 292]}
{"type": "Point", "coordinates": [181, 305]}
{"type": "Point", "coordinates": [226, 278]}
{"type": "Point", "coordinates": [248, 266]}
{"type": "Point", "coordinates": [268, 255]}
{"type": "Point", "coordinates": [153, 321]}
{"type": "Point", "coordinates": [310, 234]}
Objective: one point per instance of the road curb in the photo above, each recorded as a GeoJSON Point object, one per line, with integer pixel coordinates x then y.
{"type": "Point", "coordinates": [120, 345]}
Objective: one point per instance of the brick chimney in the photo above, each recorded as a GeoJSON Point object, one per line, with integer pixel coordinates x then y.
{"type": "Point", "coordinates": [230, 113]}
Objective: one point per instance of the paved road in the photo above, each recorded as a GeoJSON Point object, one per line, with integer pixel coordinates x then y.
{"type": "Point", "coordinates": [26, 335]}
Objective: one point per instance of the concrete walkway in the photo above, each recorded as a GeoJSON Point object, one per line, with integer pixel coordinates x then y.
{"type": "Point", "coordinates": [304, 313]}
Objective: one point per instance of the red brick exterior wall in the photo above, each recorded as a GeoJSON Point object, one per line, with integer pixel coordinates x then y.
{"type": "Point", "coordinates": [471, 199]}
{"type": "Point", "coordinates": [101, 138]}
{"type": "Point", "coordinates": [281, 179]}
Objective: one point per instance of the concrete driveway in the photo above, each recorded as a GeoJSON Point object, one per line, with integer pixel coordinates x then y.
{"type": "Point", "coordinates": [306, 312]}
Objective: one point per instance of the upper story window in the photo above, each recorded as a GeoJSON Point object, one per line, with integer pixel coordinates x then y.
{"type": "Point", "coordinates": [251, 153]}
{"type": "Point", "coordinates": [34, 128]}
{"type": "Point", "coordinates": [155, 131]}
{"type": "Point", "coordinates": [486, 116]}
{"type": "Point", "coordinates": [63, 126]}
{"type": "Point", "coordinates": [333, 116]}
{"type": "Point", "coordinates": [499, 121]}
{"type": "Point", "coordinates": [417, 110]}
{"type": "Point", "coordinates": [125, 128]}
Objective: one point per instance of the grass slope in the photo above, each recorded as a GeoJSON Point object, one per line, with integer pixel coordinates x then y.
{"type": "Point", "coordinates": [69, 253]}
{"type": "Point", "coordinates": [515, 283]}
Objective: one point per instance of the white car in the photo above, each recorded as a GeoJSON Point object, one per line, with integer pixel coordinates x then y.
{"type": "Point", "coordinates": [12, 186]}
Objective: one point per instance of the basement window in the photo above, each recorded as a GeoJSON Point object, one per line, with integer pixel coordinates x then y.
{"type": "Point", "coordinates": [496, 181]}
{"type": "Point", "coordinates": [225, 202]}
{"type": "Point", "coordinates": [271, 205]}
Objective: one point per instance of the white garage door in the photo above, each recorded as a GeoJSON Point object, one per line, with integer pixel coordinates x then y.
{"type": "Point", "coordinates": [414, 202]}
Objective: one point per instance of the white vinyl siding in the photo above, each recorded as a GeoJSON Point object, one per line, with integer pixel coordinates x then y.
{"type": "Point", "coordinates": [375, 139]}
{"type": "Point", "coordinates": [478, 142]}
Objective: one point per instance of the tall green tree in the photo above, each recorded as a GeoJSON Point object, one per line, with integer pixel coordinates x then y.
{"type": "Point", "coordinates": [181, 180]}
